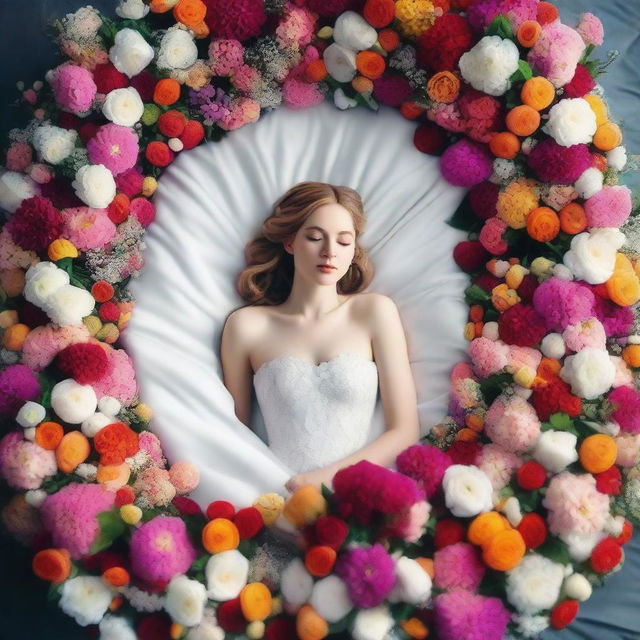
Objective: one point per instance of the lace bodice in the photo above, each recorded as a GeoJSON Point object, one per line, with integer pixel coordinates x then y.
{"type": "Point", "coordinates": [316, 414]}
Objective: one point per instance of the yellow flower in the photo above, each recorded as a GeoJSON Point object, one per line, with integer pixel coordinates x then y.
{"type": "Point", "coordinates": [143, 411]}
{"type": "Point", "coordinates": [93, 324]}
{"type": "Point", "coordinates": [149, 185]}
{"type": "Point", "coordinates": [414, 16]}
{"type": "Point", "coordinates": [130, 513]}
{"type": "Point", "coordinates": [61, 248]}
{"type": "Point", "coordinates": [517, 201]}
{"type": "Point", "coordinates": [270, 506]}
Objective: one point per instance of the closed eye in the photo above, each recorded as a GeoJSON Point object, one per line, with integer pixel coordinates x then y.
{"type": "Point", "coordinates": [318, 240]}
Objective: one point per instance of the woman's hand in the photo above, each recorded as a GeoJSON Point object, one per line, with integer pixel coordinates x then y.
{"type": "Point", "coordinates": [316, 478]}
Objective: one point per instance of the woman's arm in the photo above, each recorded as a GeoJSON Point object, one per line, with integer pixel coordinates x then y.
{"type": "Point", "coordinates": [397, 392]}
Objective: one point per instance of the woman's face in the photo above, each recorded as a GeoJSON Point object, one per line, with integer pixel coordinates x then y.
{"type": "Point", "coordinates": [326, 238]}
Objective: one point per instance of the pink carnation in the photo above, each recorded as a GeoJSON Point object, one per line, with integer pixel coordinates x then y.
{"type": "Point", "coordinates": [88, 228]}
{"type": "Point", "coordinates": [588, 333]}
{"type": "Point", "coordinates": [130, 182]}
{"type": "Point", "coordinates": [241, 111]}
{"type": "Point", "coordinates": [610, 207]}
{"type": "Point", "coordinates": [628, 449]}
{"type": "Point", "coordinates": [114, 146]}
{"type": "Point", "coordinates": [617, 320]}
{"type": "Point", "coordinates": [18, 384]}
{"type": "Point", "coordinates": [482, 12]}
{"type": "Point", "coordinates": [556, 53]}
{"type": "Point", "coordinates": [225, 56]}
{"type": "Point", "coordinates": [426, 464]}
{"type": "Point", "coordinates": [590, 29]}
{"type": "Point", "coordinates": [73, 88]}
{"type": "Point", "coordinates": [24, 464]}
{"type": "Point", "coordinates": [491, 236]}
{"type": "Point", "coordinates": [512, 423]}
{"type": "Point", "coordinates": [447, 116]}
{"type": "Point", "coordinates": [481, 113]}
{"type": "Point", "coordinates": [119, 381]}
{"type": "Point", "coordinates": [70, 516]}
{"type": "Point", "coordinates": [149, 442]}
{"type": "Point", "coordinates": [160, 549]}
{"type": "Point", "coordinates": [562, 303]}
{"type": "Point", "coordinates": [296, 27]}
{"type": "Point", "coordinates": [43, 343]}
{"type": "Point", "coordinates": [625, 402]}
{"type": "Point", "coordinates": [466, 163]}
{"type": "Point", "coordinates": [19, 156]}
{"type": "Point", "coordinates": [153, 487]}
{"type": "Point", "coordinates": [523, 357]}
{"type": "Point", "coordinates": [488, 356]}
{"type": "Point", "coordinates": [297, 92]}
{"type": "Point", "coordinates": [391, 89]}
{"type": "Point", "coordinates": [410, 525]}
{"type": "Point", "coordinates": [498, 465]}
{"type": "Point", "coordinates": [143, 210]}
{"type": "Point", "coordinates": [245, 78]}
{"type": "Point", "coordinates": [35, 224]}
{"type": "Point", "coordinates": [552, 162]}
{"type": "Point", "coordinates": [575, 505]}
{"type": "Point", "coordinates": [184, 476]}
{"type": "Point", "coordinates": [624, 375]}
{"type": "Point", "coordinates": [458, 566]}
{"type": "Point", "coordinates": [13, 255]}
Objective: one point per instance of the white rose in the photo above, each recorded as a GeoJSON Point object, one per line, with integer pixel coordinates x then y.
{"type": "Point", "coordinates": [94, 185]}
{"type": "Point", "coordinates": [592, 255]}
{"type": "Point", "coordinates": [617, 158]}
{"type": "Point", "coordinates": [73, 402]}
{"type": "Point", "coordinates": [340, 62]}
{"type": "Point", "coordinates": [489, 65]}
{"type": "Point", "coordinates": [131, 53]}
{"type": "Point", "coordinates": [116, 628]}
{"type": "Point", "coordinates": [531, 626]}
{"type": "Point", "coordinates": [54, 144]}
{"type": "Point", "coordinates": [571, 121]}
{"type": "Point", "coordinates": [534, 584]}
{"type": "Point", "coordinates": [227, 574]}
{"type": "Point", "coordinates": [352, 31]}
{"type": "Point", "coordinates": [467, 490]}
{"type": "Point", "coordinates": [14, 188]}
{"type": "Point", "coordinates": [580, 545]}
{"type": "Point", "coordinates": [185, 600]}
{"type": "Point", "coordinates": [330, 598]}
{"type": "Point", "coordinates": [42, 280]}
{"type": "Point", "coordinates": [372, 624]}
{"type": "Point", "coordinates": [342, 101]}
{"type": "Point", "coordinates": [68, 305]}
{"type": "Point", "coordinates": [86, 599]}
{"type": "Point", "coordinates": [132, 9]}
{"type": "Point", "coordinates": [590, 372]}
{"type": "Point", "coordinates": [413, 584]}
{"type": "Point", "coordinates": [555, 450]}
{"type": "Point", "coordinates": [577, 587]}
{"type": "Point", "coordinates": [296, 584]}
{"type": "Point", "coordinates": [552, 346]}
{"type": "Point", "coordinates": [123, 106]}
{"type": "Point", "coordinates": [30, 414]}
{"type": "Point", "coordinates": [589, 183]}
{"type": "Point", "coordinates": [177, 50]}
{"type": "Point", "coordinates": [95, 423]}
{"type": "Point", "coordinates": [109, 405]}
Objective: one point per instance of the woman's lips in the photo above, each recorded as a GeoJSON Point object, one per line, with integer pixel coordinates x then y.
{"type": "Point", "coordinates": [325, 269]}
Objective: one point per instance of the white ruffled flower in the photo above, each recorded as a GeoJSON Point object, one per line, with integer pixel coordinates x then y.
{"type": "Point", "coordinates": [177, 50]}
{"type": "Point", "coordinates": [68, 305]}
{"type": "Point", "coordinates": [185, 600]}
{"type": "Point", "coordinates": [340, 62]}
{"type": "Point", "coordinates": [467, 490]}
{"type": "Point", "coordinates": [116, 628]}
{"type": "Point", "coordinates": [413, 584]}
{"type": "Point", "coordinates": [617, 158]}
{"type": "Point", "coordinates": [590, 372]}
{"type": "Point", "coordinates": [86, 599]}
{"type": "Point", "coordinates": [54, 144]}
{"type": "Point", "coordinates": [14, 188]}
{"type": "Point", "coordinates": [35, 497]}
{"type": "Point", "coordinates": [342, 101]}
{"type": "Point", "coordinates": [589, 183]}
{"type": "Point", "coordinates": [580, 545]}
{"type": "Point", "coordinates": [592, 255]}
{"type": "Point", "coordinates": [94, 185]}
{"type": "Point", "coordinates": [123, 107]}
{"type": "Point", "coordinates": [562, 273]}
{"type": "Point", "coordinates": [87, 471]}
{"type": "Point", "coordinates": [531, 626]}
{"type": "Point", "coordinates": [31, 414]}
{"type": "Point", "coordinates": [330, 598]}
{"type": "Point", "coordinates": [73, 402]}
{"type": "Point", "coordinates": [555, 450]}
{"type": "Point", "coordinates": [296, 584]}
{"type": "Point", "coordinates": [571, 121]}
{"type": "Point", "coordinates": [109, 405]}
{"type": "Point", "coordinates": [352, 31]}
{"type": "Point", "coordinates": [489, 64]}
{"type": "Point", "coordinates": [132, 9]}
{"type": "Point", "coordinates": [552, 346]}
{"type": "Point", "coordinates": [95, 423]}
{"type": "Point", "coordinates": [130, 53]}
{"type": "Point", "coordinates": [42, 280]}
{"type": "Point", "coordinates": [226, 574]}
{"type": "Point", "coordinates": [534, 584]}
{"type": "Point", "coordinates": [578, 587]}
{"type": "Point", "coordinates": [372, 624]}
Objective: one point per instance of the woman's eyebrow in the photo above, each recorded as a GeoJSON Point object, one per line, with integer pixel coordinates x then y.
{"type": "Point", "coordinates": [321, 229]}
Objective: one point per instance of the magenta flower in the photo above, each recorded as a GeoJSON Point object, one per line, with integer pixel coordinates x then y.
{"type": "Point", "coordinates": [114, 146]}
{"type": "Point", "coordinates": [466, 163]}
{"type": "Point", "coordinates": [610, 207]}
{"type": "Point", "coordinates": [35, 224]}
{"type": "Point", "coordinates": [18, 384]}
{"type": "Point", "coordinates": [73, 87]}
{"type": "Point", "coordinates": [626, 408]}
{"type": "Point", "coordinates": [458, 565]}
{"type": "Point", "coordinates": [554, 163]}
{"type": "Point", "coordinates": [426, 464]}
{"type": "Point", "coordinates": [562, 303]}
{"type": "Point", "coordinates": [482, 12]}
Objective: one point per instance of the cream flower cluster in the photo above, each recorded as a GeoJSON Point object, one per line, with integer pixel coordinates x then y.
{"type": "Point", "coordinates": [94, 184]}
{"type": "Point", "coordinates": [177, 49]}
{"type": "Point", "coordinates": [534, 584]}
{"type": "Point", "coordinates": [590, 372]}
{"type": "Point", "coordinates": [132, 9]}
{"type": "Point", "coordinates": [489, 64]}
{"type": "Point", "coordinates": [571, 121]}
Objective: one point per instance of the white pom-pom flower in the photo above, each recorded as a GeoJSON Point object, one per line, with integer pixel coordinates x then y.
{"type": "Point", "coordinates": [552, 346]}
{"type": "Point", "coordinates": [555, 450]}
{"type": "Point", "coordinates": [94, 423]}
{"type": "Point", "coordinates": [343, 101]}
{"type": "Point", "coordinates": [35, 497]}
{"type": "Point", "coordinates": [132, 9]}
{"type": "Point", "coordinates": [54, 144]}
{"type": "Point", "coordinates": [589, 183]}
{"type": "Point", "coordinates": [571, 121]}
{"type": "Point", "coordinates": [68, 305]}
{"type": "Point", "coordinates": [489, 64]}
{"type": "Point", "coordinates": [177, 50]}
{"type": "Point", "coordinates": [14, 188]}
{"type": "Point", "coordinates": [590, 372]}
{"type": "Point", "coordinates": [534, 584]}
{"type": "Point", "coordinates": [617, 158]}
{"type": "Point", "coordinates": [94, 185]}
{"type": "Point", "coordinates": [576, 586]}
{"type": "Point", "coordinates": [330, 598]}
{"type": "Point", "coordinates": [351, 30]}
{"type": "Point", "coordinates": [467, 490]}
{"type": "Point", "coordinates": [296, 584]}
{"type": "Point", "coordinates": [530, 626]}
{"type": "Point", "coordinates": [340, 62]}
{"type": "Point", "coordinates": [86, 599]}
{"type": "Point", "coordinates": [42, 280]}
{"type": "Point", "coordinates": [30, 414]}
{"type": "Point", "coordinates": [562, 272]}
{"type": "Point", "coordinates": [580, 545]}
{"type": "Point", "coordinates": [185, 600]}
{"type": "Point", "coordinates": [123, 106]}
{"type": "Point", "coordinates": [372, 624]}
{"type": "Point", "coordinates": [109, 405]}
{"type": "Point", "coordinates": [592, 255]}
{"type": "Point", "coordinates": [130, 53]}
{"type": "Point", "coordinates": [413, 584]}
{"type": "Point", "coordinates": [226, 574]}
{"type": "Point", "coordinates": [73, 402]}
{"type": "Point", "coordinates": [116, 628]}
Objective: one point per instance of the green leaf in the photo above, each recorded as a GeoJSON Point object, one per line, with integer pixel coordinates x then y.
{"type": "Point", "coordinates": [555, 550]}
{"type": "Point", "coordinates": [523, 73]}
{"type": "Point", "coordinates": [560, 421]}
{"type": "Point", "coordinates": [500, 27]}
{"type": "Point", "coordinates": [464, 218]}
{"type": "Point", "coordinates": [475, 294]}
{"type": "Point", "coordinates": [529, 500]}
{"type": "Point", "coordinates": [111, 528]}
{"type": "Point", "coordinates": [493, 386]}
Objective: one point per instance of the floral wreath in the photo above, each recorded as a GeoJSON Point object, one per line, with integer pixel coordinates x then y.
{"type": "Point", "coordinates": [517, 504]}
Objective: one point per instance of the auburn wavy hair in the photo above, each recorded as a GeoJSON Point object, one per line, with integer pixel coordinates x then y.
{"type": "Point", "coordinates": [268, 278]}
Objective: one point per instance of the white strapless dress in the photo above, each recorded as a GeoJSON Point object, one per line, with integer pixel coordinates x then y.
{"type": "Point", "coordinates": [316, 414]}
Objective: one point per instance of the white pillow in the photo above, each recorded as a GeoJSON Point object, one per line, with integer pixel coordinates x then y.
{"type": "Point", "coordinates": [212, 201]}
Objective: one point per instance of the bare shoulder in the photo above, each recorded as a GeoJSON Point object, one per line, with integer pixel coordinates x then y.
{"type": "Point", "coordinates": [244, 324]}
{"type": "Point", "coordinates": [375, 303]}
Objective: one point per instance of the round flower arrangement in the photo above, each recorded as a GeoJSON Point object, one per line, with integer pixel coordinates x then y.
{"type": "Point", "coordinates": [527, 489]}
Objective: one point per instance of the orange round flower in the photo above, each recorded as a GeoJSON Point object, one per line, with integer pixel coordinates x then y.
{"type": "Point", "coordinates": [504, 145]}
{"type": "Point", "coordinates": [543, 224]}
{"type": "Point", "coordinates": [631, 355]}
{"type": "Point", "coordinates": [410, 110]}
{"type": "Point", "coordinates": [115, 442]}
{"type": "Point", "coordinates": [255, 601]}
{"type": "Point", "coordinates": [523, 120]}
{"type": "Point", "coordinates": [485, 526]}
{"type": "Point", "coordinates": [443, 86]}
{"type": "Point", "coordinates": [389, 40]}
{"type": "Point", "coordinates": [573, 218]}
{"type": "Point", "coordinates": [305, 506]}
{"type": "Point", "coordinates": [320, 560]}
{"type": "Point", "coordinates": [220, 534]}
{"type": "Point", "coordinates": [116, 576]}
{"type": "Point", "coordinates": [528, 33]}
{"type": "Point", "coordinates": [190, 12]}
{"type": "Point", "coordinates": [49, 435]}
{"type": "Point", "coordinates": [598, 452]}
{"type": "Point", "coordinates": [504, 551]}
{"type": "Point", "coordinates": [414, 628]}
{"type": "Point", "coordinates": [427, 566]}
{"type": "Point", "coordinates": [14, 337]}
{"type": "Point", "coordinates": [362, 84]}
{"type": "Point", "coordinates": [379, 13]}
{"type": "Point", "coordinates": [548, 368]}
{"type": "Point", "coordinates": [316, 70]}
{"type": "Point", "coordinates": [53, 565]}
{"type": "Point", "coordinates": [12, 281]}
{"type": "Point", "coordinates": [607, 136]}
{"type": "Point", "coordinates": [623, 286]}
{"type": "Point", "coordinates": [370, 64]}
{"type": "Point", "coordinates": [310, 625]}
{"type": "Point", "coordinates": [166, 92]}
{"type": "Point", "coordinates": [599, 107]}
{"type": "Point", "coordinates": [73, 449]}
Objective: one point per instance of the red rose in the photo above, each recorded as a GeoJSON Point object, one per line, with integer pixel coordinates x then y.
{"type": "Point", "coordinates": [159, 154]}
{"type": "Point", "coordinates": [606, 555]}
{"type": "Point", "coordinates": [486, 281]}
{"type": "Point", "coordinates": [230, 616]}
{"type": "Point", "coordinates": [429, 138]}
{"type": "Point", "coordinates": [564, 613]}
{"type": "Point", "coordinates": [533, 530]}
{"type": "Point", "coordinates": [379, 13]}
{"type": "Point", "coordinates": [609, 481]}
{"type": "Point", "coordinates": [531, 475]}
{"type": "Point", "coordinates": [581, 83]}
{"type": "Point", "coordinates": [35, 224]}
{"type": "Point", "coordinates": [470, 255]}
{"type": "Point", "coordinates": [464, 452]}
{"type": "Point", "coordinates": [187, 506]}
{"type": "Point", "coordinates": [521, 325]}
{"type": "Point", "coordinates": [220, 509]}
{"type": "Point", "coordinates": [249, 522]}
{"type": "Point", "coordinates": [555, 397]}
{"type": "Point", "coordinates": [331, 531]}
{"type": "Point", "coordinates": [108, 78]}
{"type": "Point", "coordinates": [192, 135]}
{"type": "Point", "coordinates": [627, 532]}
{"type": "Point", "coordinates": [171, 123]}
{"type": "Point", "coordinates": [448, 532]}
{"type": "Point", "coordinates": [441, 46]}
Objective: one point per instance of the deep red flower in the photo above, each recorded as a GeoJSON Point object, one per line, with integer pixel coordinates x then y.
{"type": "Point", "coordinates": [230, 616]}
{"type": "Point", "coordinates": [533, 530]}
{"type": "Point", "coordinates": [35, 224]}
{"type": "Point", "coordinates": [555, 397]}
{"type": "Point", "coordinates": [330, 8]}
{"type": "Point", "coordinates": [85, 362]}
{"type": "Point", "coordinates": [32, 316]}
{"type": "Point", "coordinates": [448, 532]}
{"type": "Point", "coordinates": [564, 614]}
{"type": "Point", "coordinates": [521, 325]}
{"type": "Point", "coordinates": [531, 475]}
{"type": "Point", "coordinates": [554, 163]}
{"type": "Point", "coordinates": [464, 452]}
{"type": "Point", "coordinates": [486, 281]}
{"type": "Point", "coordinates": [483, 199]}
{"type": "Point", "coordinates": [470, 255]}
{"type": "Point", "coordinates": [429, 138]}
{"type": "Point", "coordinates": [125, 495]}
{"type": "Point", "coordinates": [87, 131]}
{"type": "Point", "coordinates": [187, 506]}
{"type": "Point", "coordinates": [156, 626]}
{"type": "Point", "coordinates": [606, 555]}
{"type": "Point", "coordinates": [144, 83]}
{"type": "Point", "coordinates": [108, 78]}
{"type": "Point", "coordinates": [331, 531]}
{"type": "Point", "coordinates": [130, 182]}
{"type": "Point", "coordinates": [609, 481]}
{"type": "Point", "coordinates": [249, 522]}
{"type": "Point", "coordinates": [68, 120]}
{"type": "Point", "coordinates": [280, 629]}
{"type": "Point", "coordinates": [59, 191]}
{"type": "Point", "coordinates": [527, 287]}
{"type": "Point", "coordinates": [581, 83]}
{"type": "Point", "coordinates": [192, 135]}
{"type": "Point", "coordinates": [391, 89]}
{"type": "Point", "coordinates": [440, 47]}
{"type": "Point", "coordinates": [241, 19]}
{"type": "Point", "coordinates": [220, 509]}
{"type": "Point", "coordinates": [109, 311]}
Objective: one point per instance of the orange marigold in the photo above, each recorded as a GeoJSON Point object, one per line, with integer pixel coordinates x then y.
{"type": "Point", "coordinates": [517, 201]}
{"type": "Point", "coordinates": [443, 86]}
{"type": "Point", "coordinates": [598, 452]}
{"type": "Point", "coordinates": [505, 550]}
{"type": "Point", "coordinates": [115, 442]}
